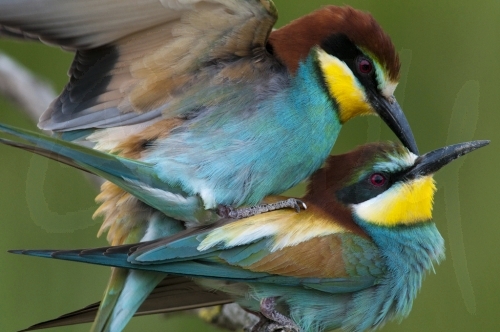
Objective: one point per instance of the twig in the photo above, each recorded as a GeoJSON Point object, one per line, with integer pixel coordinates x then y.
{"type": "Point", "coordinates": [31, 94]}
{"type": "Point", "coordinates": [228, 317]}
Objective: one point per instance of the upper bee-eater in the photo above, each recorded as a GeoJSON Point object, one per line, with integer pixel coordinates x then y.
{"type": "Point", "coordinates": [353, 260]}
{"type": "Point", "coordinates": [217, 106]}
{"type": "Point", "coordinates": [204, 91]}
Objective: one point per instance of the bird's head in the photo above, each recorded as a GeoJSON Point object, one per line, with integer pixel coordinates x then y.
{"type": "Point", "coordinates": [384, 183]}
{"type": "Point", "coordinates": [356, 59]}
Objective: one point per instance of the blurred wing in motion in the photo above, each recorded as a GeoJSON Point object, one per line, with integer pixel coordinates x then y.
{"type": "Point", "coordinates": [138, 61]}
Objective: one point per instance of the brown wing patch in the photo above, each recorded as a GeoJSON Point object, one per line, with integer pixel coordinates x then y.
{"type": "Point", "coordinates": [293, 42]}
{"type": "Point", "coordinates": [206, 46]}
{"type": "Point", "coordinates": [157, 65]}
{"type": "Point", "coordinates": [319, 257]}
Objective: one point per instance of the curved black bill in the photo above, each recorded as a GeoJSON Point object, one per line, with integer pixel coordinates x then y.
{"type": "Point", "coordinates": [393, 115]}
{"type": "Point", "coordinates": [431, 162]}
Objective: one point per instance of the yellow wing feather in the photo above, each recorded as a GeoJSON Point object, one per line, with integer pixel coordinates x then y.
{"type": "Point", "coordinates": [286, 226]}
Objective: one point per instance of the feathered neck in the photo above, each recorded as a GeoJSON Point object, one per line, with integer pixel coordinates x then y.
{"type": "Point", "coordinates": [409, 253]}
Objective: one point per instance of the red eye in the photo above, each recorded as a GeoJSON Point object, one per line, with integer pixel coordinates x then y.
{"type": "Point", "coordinates": [365, 66]}
{"type": "Point", "coordinates": [378, 179]}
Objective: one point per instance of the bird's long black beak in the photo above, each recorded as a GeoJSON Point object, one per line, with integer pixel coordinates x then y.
{"type": "Point", "coordinates": [392, 114]}
{"type": "Point", "coordinates": [431, 162]}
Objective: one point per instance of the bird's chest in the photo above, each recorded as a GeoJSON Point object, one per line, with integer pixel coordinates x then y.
{"type": "Point", "coordinates": [263, 147]}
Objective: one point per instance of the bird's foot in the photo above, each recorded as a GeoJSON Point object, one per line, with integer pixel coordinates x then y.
{"type": "Point", "coordinates": [272, 320]}
{"type": "Point", "coordinates": [229, 212]}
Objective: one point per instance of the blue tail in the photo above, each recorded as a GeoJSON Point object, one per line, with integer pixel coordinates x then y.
{"type": "Point", "coordinates": [136, 177]}
{"type": "Point", "coordinates": [109, 166]}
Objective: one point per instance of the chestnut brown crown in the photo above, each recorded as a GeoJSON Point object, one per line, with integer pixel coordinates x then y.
{"type": "Point", "coordinates": [293, 42]}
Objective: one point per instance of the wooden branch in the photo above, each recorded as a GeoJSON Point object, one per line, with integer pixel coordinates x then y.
{"type": "Point", "coordinates": [33, 95]}
{"type": "Point", "coordinates": [229, 317]}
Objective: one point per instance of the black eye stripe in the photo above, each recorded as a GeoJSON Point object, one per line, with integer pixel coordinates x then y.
{"type": "Point", "coordinates": [345, 50]}
{"type": "Point", "coordinates": [340, 46]}
{"type": "Point", "coordinates": [364, 189]}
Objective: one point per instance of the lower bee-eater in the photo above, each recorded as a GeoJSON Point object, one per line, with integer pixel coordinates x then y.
{"type": "Point", "coordinates": [353, 260]}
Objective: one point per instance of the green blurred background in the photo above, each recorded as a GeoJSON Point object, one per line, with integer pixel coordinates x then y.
{"type": "Point", "coordinates": [449, 92]}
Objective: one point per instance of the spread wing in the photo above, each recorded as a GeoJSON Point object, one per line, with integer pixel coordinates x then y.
{"type": "Point", "coordinates": [136, 177]}
{"type": "Point", "coordinates": [138, 61]}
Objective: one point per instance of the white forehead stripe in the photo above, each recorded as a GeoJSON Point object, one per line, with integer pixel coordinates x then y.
{"type": "Point", "coordinates": [389, 88]}
{"type": "Point", "coordinates": [396, 163]}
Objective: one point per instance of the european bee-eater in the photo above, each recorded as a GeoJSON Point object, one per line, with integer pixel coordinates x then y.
{"type": "Point", "coordinates": [202, 90]}
{"type": "Point", "coordinates": [353, 260]}
{"type": "Point", "coordinates": [216, 104]}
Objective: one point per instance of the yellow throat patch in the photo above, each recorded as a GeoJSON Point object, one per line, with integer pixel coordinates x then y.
{"type": "Point", "coordinates": [404, 204]}
{"type": "Point", "coordinates": [343, 87]}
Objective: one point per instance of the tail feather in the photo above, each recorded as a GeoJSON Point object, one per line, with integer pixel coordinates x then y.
{"type": "Point", "coordinates": [138, 286]}
{"type": "Point", "coordinates": [36, 253]}
{"type": "Point", "coordinates": [202, 267]}
{"type": "Point", "coordinates": [95, 256]}
{"type": "Point", "coordinates": [111, 295]}
{"type": "Point", "coordinates": [100, 163]}
{"type": "Point", "coordinates": [44, 153]}
{"type": "Point", "coordinates": [136, 177]}
{"type": "Point", "coordinates": [81, 316]}
{"type": "Point", "coordinates": [172, 294]}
